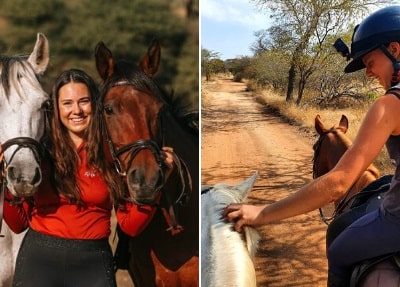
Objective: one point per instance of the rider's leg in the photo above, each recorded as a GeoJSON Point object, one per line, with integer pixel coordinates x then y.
{"type": "Point", "coordinates": [374, 234]}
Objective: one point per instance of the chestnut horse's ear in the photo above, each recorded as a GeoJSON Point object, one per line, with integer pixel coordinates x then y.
{"type": "Point", "coordinates": [151, 61]}
{"type": "Point", "coordinates": [104, 61]}
{"type": "Point", "coordinates": [319, 126]}
{"type": "Point", "coordinates": [344, 124]}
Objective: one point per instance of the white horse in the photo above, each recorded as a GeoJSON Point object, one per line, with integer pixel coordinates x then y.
{"type": "Point", "coordinates": [226, 255]}
{"type": "Point", "coordinates": [22, 124]}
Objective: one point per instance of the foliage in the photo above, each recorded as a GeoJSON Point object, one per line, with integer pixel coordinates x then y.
{"type": "Point", "coordinates": [210, 63]}
{"type": "Point", "coordinates": [240, 68]}
{"type": "Point", "coordinates": [301, 30]}
{"type": "Point", "coordinates": [269, 68]}
{"type": "Point", "coordinates": [74, 27]}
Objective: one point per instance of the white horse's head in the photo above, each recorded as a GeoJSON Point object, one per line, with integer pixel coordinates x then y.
{"type": "Point", "coordinates": [22, 117]}
{"type": "Point", "coordinates": [226, 255]}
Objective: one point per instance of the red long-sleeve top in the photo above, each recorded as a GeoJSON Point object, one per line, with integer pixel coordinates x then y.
{"type": "Point", "coordinates": [54, 215]}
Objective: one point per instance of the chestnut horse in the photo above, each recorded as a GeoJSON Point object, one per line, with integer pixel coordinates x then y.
{"type": "Point", "coordinates": [363, 196]}
{"type": "Point", "coordinates": [329, 148]}
{"type": "Point", "coordinates": [138, 122]}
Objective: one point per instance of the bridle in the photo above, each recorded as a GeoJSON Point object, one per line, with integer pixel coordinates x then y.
{"type": "Point", "coordinates": [135, 147]}
{"type": "Point", "coordinates": [343, 202]}
{"type": "Point", "coordinates": [20, 142]}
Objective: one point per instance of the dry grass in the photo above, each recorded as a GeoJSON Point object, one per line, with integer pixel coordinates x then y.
{"type": "Point", "coordinates": [304, 118]}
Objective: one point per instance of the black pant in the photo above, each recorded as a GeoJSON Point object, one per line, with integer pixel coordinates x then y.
{"type": "Point", "coordinates": [48, 261]}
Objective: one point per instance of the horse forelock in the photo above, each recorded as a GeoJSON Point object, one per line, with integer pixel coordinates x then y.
{"type": "Point", "coordinates": [125, 71]}
{"type": "Point", "coordinates": [12, 67]}
{"type": "Point", "coordinates": [341, 138]}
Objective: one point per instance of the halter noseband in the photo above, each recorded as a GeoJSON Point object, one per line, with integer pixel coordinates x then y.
{"type": "Point", "coordinates": [20, 142]}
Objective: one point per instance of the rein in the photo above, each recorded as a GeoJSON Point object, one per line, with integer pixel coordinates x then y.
{"type": "Point", "coordinates": [134, 148]}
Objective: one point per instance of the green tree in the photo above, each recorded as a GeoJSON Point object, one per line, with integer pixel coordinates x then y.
{"type": "Point", "coordinates": [208, 62]}
{"type": "Point", "coordinates": [307, 24]}
{"type": "Point", "coordinates": [127, 27]}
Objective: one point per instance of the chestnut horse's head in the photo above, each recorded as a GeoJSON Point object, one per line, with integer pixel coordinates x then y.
{"type": "Point", "coordinates": [329, 148]}
{"type": "Point", "coordinates": [132, 111]}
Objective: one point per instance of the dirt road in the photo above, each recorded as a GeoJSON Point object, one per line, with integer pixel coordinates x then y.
{"type": "Point", "coordinates": [239, 137]}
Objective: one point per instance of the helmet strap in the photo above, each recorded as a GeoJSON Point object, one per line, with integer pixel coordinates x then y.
{"type": "Point", "coordinates": [396, 65]}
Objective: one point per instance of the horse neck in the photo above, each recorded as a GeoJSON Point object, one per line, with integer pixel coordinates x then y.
{"type": "Point", "coordinates": [368, 176]}
{"type": "Point", "coordinates": [225, 256]}
{"type": "Point", "coordinates": [342, 143]}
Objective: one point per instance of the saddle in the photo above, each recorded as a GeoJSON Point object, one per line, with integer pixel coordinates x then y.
{"type": "Point", "coordinates": [367, 200]}
{"type": "Point", "coordinates": [360, 272]}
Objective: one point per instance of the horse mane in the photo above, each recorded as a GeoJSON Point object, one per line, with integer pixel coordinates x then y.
{"type": "Point", "coordinates": [11, 66]}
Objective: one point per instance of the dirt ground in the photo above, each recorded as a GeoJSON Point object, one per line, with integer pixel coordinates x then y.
{"type": "Point", "coordinates": [239, 137]}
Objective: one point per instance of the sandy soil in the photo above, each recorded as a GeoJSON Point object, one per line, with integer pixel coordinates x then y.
{"type": "Point", "coordinates": [240, 136]}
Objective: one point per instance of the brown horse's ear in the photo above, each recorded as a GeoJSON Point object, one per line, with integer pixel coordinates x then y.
{"type": "Point", "coordinates": [344, 123]}
{"type": "Point", "coordinates": [319, 126]}
{"type": "Point", "coordinates": [151, 61]}
{"type": "Point", "coordinates": [104, 61]}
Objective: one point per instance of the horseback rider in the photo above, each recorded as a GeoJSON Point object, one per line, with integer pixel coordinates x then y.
{"type": "Point", "coordinates": [376, 47]}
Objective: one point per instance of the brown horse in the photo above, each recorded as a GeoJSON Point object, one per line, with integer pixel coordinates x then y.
{"type": "Point", "coordinates": [138, 122]}
{"type": "Point", "coordinates": [329, 148]}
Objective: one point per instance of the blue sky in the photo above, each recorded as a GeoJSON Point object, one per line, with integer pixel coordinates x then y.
{"type": "Point", "coordinates": [228, 26]}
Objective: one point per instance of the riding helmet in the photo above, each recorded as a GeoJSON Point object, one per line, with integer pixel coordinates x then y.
{"type": "Point", "coordinates": [377, 30]}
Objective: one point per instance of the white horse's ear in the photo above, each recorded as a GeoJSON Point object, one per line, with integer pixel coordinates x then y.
{"type": "Point", "coordinates": [39, 58]}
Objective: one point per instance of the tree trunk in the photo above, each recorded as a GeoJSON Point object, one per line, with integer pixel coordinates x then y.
{"type": "Point", "coordinates": [302, 84]}
{"type": "Point", "coordinates": [291, 78]}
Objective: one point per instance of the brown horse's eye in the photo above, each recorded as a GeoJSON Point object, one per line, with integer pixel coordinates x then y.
{"type": "Point", "coordinates": [108, 110]}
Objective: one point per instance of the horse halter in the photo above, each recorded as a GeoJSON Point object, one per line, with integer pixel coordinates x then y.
{"type": "Point", "coordinates": [135, 147]}
{"type": "Point", "coordinates": [316, 147]}
{"type": "Point", "coordinates": [20, 142]}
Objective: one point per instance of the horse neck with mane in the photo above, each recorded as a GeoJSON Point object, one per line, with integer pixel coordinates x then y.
{"type": "Point", "coordinates": [226, 255]}
{"type": "Point", "coordinates": [137, 122]}
{"type": "Point", "coordinates": [22, 124]}
{"type": "Point", "coordinates": [329, 148]}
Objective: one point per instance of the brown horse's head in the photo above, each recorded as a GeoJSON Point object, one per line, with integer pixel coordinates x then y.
{"type": "Point", "coordinates": [329, 148]}
{"type": "Point", "coordinates": [132, 110]}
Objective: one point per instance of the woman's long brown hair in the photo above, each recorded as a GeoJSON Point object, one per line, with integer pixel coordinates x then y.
{"type": "Point", "coordinates": [63, 152]}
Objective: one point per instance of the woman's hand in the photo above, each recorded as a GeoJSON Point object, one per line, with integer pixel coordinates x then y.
{"type": "Point", "coordinates": [243, 214]}
{"type": "Point", "coordinates": [167, 156]}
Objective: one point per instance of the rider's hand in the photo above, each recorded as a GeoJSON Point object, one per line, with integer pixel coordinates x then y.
{"type": "Point", "coordinates": [243, 214]}
{"type": "Point", "coordinates": [167, 156]}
